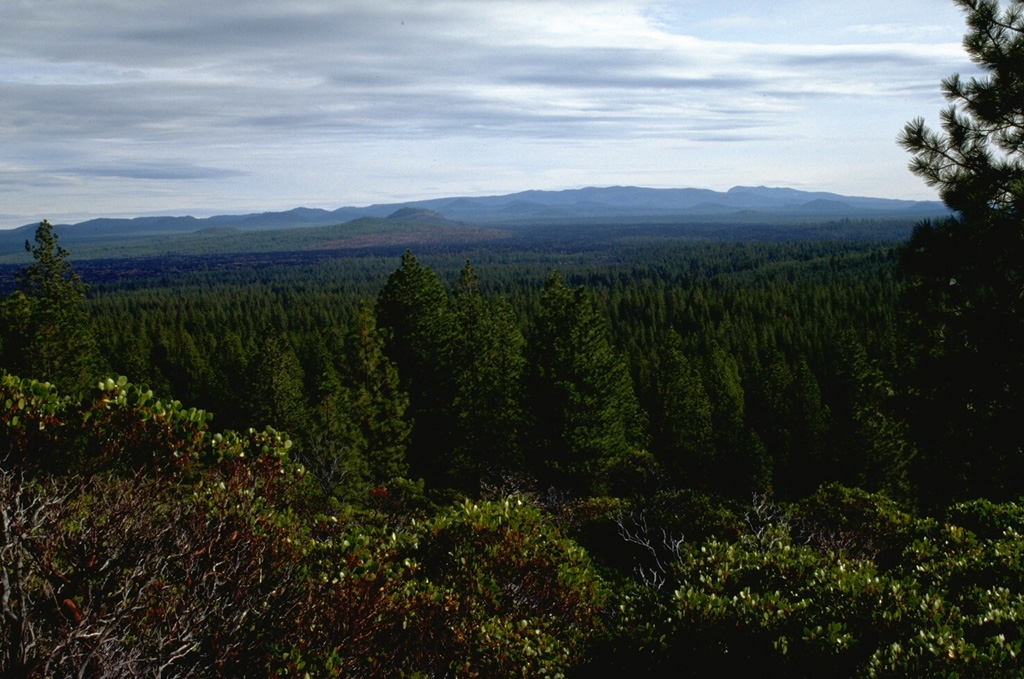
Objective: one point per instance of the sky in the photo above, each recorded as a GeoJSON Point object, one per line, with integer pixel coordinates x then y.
{"type": "Point", "coordinates": [137, 107]}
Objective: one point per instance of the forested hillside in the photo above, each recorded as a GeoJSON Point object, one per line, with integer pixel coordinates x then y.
{"type": "Point", "coordinates": [755, 332]}
{"type": "Point", "coordinates": [529, 463]}
{"type": "Point", "coordinates": [768, 456]}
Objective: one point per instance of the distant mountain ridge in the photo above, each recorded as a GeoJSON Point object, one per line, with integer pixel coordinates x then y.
{"type": "Point", "coordinates": [740, 204]}
{"type": "Point", "coordinates": [613, 199]}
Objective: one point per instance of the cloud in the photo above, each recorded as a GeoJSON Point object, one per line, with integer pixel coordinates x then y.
{"type": "Point", "coordinates": [153, 170]}
{"type": "Point", "coordinates": [224, 91]}
{"type": "Point", "coordinates": [201, 66]}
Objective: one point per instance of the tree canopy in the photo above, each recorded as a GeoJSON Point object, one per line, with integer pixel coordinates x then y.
{"type": "Point", "coordinates": [975, 161]}
{"type": "Point", "coordinates": [965, 291]}
{"type": "Point", "coordinates": [47, 331]}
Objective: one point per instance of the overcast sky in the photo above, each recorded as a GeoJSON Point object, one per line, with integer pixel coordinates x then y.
{"type": "Point", "coordinates": [132, 107]}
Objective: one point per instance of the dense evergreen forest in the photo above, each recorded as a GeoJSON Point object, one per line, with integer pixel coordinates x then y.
{"type": "Point", "coordinates": [493, 464]}
{"type": "Point", "coordinates": [771, 456]}
{"type": "Point", "coordinates": [753, 334]}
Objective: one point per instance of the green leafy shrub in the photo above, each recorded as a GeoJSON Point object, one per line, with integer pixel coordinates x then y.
{"type": "Point", "coordinates": [948, 602]}
{"type": "Point", "coordinates": [860, 524]}
{"type": "Point", "coordinates": [521, 599]}
{"type": "Point", "coordinates": [31, 414]}
{"type": "Point", "coordinates": [987, 519]}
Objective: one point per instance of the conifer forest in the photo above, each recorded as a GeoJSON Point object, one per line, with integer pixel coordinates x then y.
{"type": "Point", "coordinates": [742, 451]}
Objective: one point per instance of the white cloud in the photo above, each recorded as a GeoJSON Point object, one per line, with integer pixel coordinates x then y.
{"type": "Point", "coordinates": [258, 100]}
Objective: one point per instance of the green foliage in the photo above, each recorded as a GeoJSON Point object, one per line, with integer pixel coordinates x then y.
{"type": "Point", "coordinates": [986, 519]}
{"type": "Point", "coordinates": [872, 447]}
{"type": "Point", "coordinates": [31, 412]}
{"type": "Point", "coordinates": [738, 465]}
{"type": "Point", "coordinates": [135, 543]}
{"type": "Point", "coordinates": [46, 332]}
{"type": "Point", "coordinates": [374, 401]}
{"type": "Point", "coordinates": [520, 599]}
{"type": "Point", "coordinates": [847, 582]}
{"type": "Point", "coordinates": [487, 372]}
{"type": "Point", "coordinates": [964, 296]}
{"type": "Point", "coordinates": [976, 160]}
{"type": "Point", "coordinates": [155, 544]}
{"type": "Point", "coordinates": [684, 431]}
{"type": "Point", "coordinates": [412, 309]}
{"type": "Point", "coordinates": [584, 405]}
{"type": "Point", "coordinates": [694, 515]}
{"type": "Point", "coordinates": [462, 360]}
{"type": "Point", "coordinates": [960, 608]}
{"type": "Point", "coordinates": [276, 388]}
{"type": "Point", "coordinates": [358, 434]}
{"type": "Point", "coordinates": [197, 336]}
{"type": "Point", "coordinates": [120, 427]}
{"type": "Point", "coordinates": [785, 607]}
{"type": "Point", "coordinates": [856, 523]}
{"type": "Point", "coordinates": [363, 614]}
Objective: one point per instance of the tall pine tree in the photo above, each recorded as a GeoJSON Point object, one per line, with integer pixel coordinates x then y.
{"type": "Point", "coordinates": [46, 333]}
{"type": "Point", "coordinates": [585, 410]}
{"type": "Point", "coordinates": [488, 364]}
{"type": "Point", "coordinates": [683, 428]}
{"type": "Point", "coordinates": [965, 292]}
{"type": "Point", "coordinates": [373, 400]}
{"type": "Point", "coordinates": [413, 310]}
{"type": "Point", "coordinates": [276, 394]}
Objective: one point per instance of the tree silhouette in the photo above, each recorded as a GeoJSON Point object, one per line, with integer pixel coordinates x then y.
{"type": "Point", "coordinates": [965, 293]}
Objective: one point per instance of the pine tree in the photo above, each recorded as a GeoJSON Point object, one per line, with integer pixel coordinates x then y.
{"type": "Point", "coordinates": [586, 413]}
{"type": "Point", "coordinates": [374, 402]}
{"type": "Point", "coordinates": [488, 365]}
{"type": "Point", "coordinates": [739, 463]}
{"type": "Point", "coordinates": [332, 447]}
{"type": "Point", "coordinates": [808, 427]}
{"type": "Point", "coordinates": [412, 309]}
{"type": "Point", "coordinates": [276, 392]}
{"type": "Point", "coordinates": [47, 334]}
{"type": "Point", "coordinates": [872, 450]}
{"type": "Point", "coordinates": [683, 432]}
{"type": "Point", "coordinates": [965, 291]}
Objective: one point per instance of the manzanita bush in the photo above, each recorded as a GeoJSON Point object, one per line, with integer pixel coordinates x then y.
{"type": "Point", "coordinates": [810, 591]}
{"type": "Point", "coordinates": [135, 542]}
